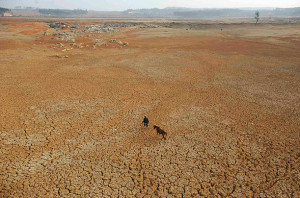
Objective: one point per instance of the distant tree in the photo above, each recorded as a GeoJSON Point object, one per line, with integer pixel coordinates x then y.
{"type": "Point", "coordinates": [3, 10]}
{"type": "Point", "coordinates": [256, 16]}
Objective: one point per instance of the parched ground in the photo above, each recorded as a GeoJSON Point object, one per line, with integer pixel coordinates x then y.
{"type": "Point", "coordinates": [70, 117]}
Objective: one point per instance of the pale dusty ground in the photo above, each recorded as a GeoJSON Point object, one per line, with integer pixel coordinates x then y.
{"type": "Point", "coordinates": [70, 123]}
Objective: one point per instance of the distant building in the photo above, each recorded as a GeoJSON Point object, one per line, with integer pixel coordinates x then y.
{"type": "Point", "coordinates": [7, 14]}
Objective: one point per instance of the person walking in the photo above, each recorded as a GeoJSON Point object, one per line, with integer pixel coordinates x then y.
{"type": "Point", "coordinates": [146, 121]}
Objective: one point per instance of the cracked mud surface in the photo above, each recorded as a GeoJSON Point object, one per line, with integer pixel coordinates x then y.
{"type": "Point", "coordinates": [71, 127]}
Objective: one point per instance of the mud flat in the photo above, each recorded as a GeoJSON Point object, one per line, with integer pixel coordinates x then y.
{"type": "Point", "coordinates": [73, 95]}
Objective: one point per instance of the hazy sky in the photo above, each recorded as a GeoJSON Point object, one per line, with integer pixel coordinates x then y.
{"type": "Point", "coordinates": [135, 4]}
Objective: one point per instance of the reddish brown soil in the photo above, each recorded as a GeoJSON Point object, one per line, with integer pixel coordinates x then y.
{"type": "Point", "coordinates": [71, 127]}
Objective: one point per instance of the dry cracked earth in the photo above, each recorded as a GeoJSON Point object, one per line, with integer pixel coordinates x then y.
{"type": "Point", "coordinates": [70, 118]}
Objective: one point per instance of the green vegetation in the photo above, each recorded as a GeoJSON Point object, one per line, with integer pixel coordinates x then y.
{"type": "Point", "coordinates": [3, 10]}
{"type": "Point", "coordinates": [62, 12]}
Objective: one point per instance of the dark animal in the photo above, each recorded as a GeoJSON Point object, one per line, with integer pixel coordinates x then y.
{"type": "Point", "coordinates": [160, 131]}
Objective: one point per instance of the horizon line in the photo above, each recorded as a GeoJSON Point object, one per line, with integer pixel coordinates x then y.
{"type": "Point", "coordinates": [15, 8]}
